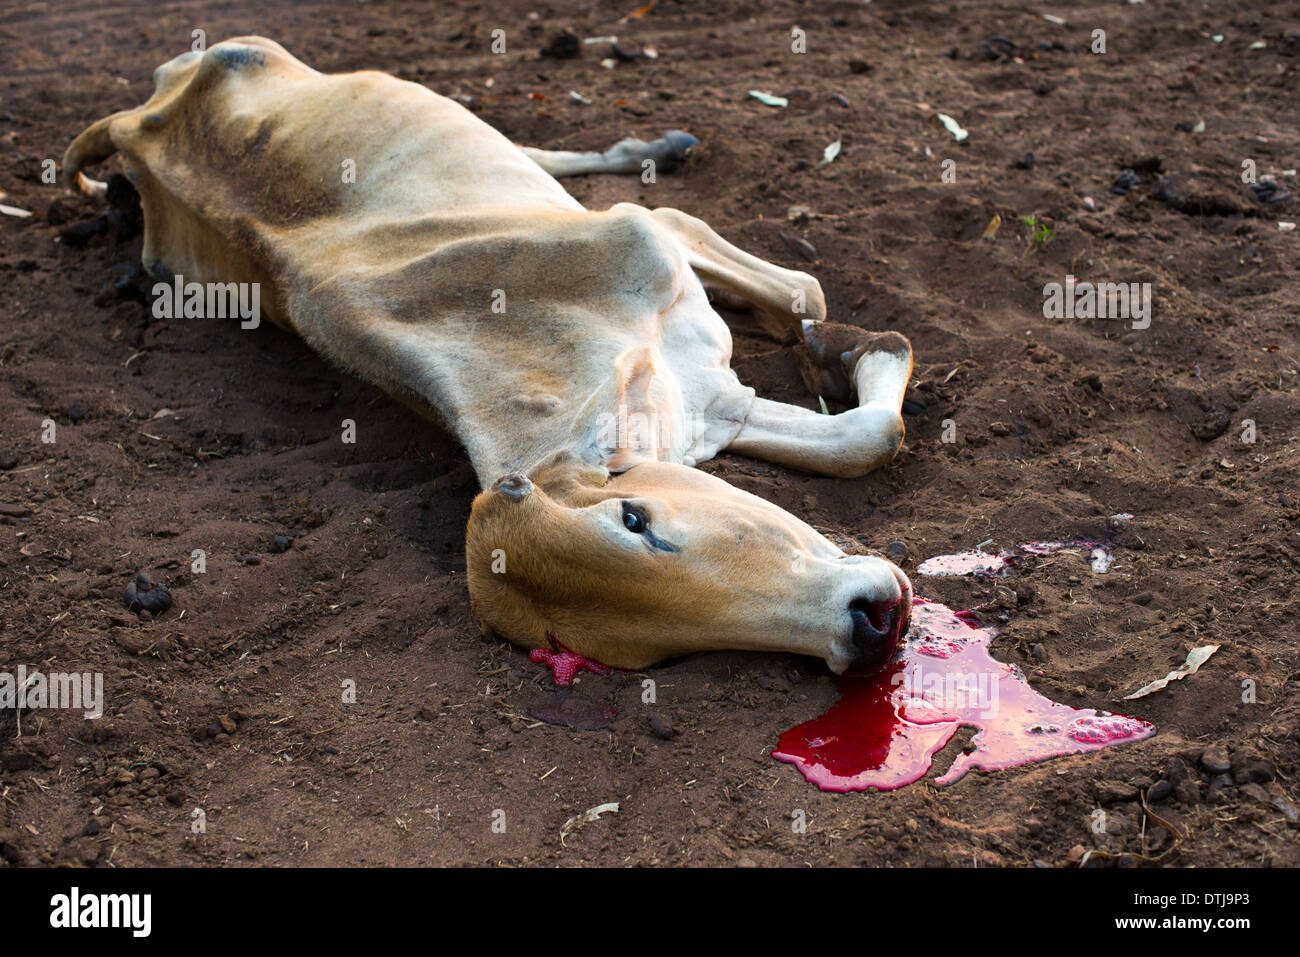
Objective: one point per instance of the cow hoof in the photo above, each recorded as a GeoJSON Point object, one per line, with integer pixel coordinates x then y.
{"type": "Point", "coordinates": [831, 355]}
{"type": "Point", "coordinates": [672, 148]}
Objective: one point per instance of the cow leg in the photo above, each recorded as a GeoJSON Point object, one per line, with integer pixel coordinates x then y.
{"type": "Point", "coordinates": [838, 362]}
{"type": "Point", "coordinates": [625, 156]}
{"type": "Point", "coordinates": [850, 443]}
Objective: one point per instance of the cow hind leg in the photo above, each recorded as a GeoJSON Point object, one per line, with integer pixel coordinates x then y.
{"type": "Point", "coordinates": [838, 362]}
{"type": "Point", "coordinates": [851, 443]}
{"type": "Point", "coordinates": [626, 156]}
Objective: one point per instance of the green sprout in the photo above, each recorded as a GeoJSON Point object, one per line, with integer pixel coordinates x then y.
{"type": "Point", "coordinates": [1040, 234]}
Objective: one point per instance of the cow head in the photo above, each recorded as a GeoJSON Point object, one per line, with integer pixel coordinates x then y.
{"type": "Point", "coordinates": [665, 559]}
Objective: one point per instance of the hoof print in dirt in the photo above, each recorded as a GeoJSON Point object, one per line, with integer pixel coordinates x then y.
{"type": "Point", "coordinates": [147, 594]}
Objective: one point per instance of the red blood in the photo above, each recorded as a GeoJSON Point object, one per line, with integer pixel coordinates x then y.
{"type": "Point", "coordinates": [886, 728]}
{"type": "Point", "coordinates": [565, 664]}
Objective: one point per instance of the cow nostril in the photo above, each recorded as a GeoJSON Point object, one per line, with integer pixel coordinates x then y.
{"type": "Point", "coordinates": [875, 631]}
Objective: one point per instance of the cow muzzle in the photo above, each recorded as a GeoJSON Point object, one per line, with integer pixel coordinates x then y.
{"type": "Point", "coordinates": [878, 630]}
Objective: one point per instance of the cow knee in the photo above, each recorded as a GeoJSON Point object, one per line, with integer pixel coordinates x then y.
{"type": "Point", "coordinates": [873, 435]}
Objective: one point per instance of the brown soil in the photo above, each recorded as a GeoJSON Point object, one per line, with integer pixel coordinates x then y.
{"type": "Point", "coordinates": [231, 701]}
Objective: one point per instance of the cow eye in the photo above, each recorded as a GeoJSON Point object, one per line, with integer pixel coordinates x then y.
{"type": "Point", "coordinates": [635, 519]}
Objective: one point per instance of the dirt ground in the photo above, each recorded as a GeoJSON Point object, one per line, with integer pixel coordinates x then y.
{"type": "Point", "coordinates": [180, 435]}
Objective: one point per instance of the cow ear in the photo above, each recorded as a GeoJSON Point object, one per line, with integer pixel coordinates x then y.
{"type": "Point", "coordinates": [635, 433]}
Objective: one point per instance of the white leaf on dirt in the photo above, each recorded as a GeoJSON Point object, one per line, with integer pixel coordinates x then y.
{"type": "Point", "coordinates": [579, 98]}
{"type": "Point", "coordinates": [1199, 127]}
{"type": "Point", "coordinates": [1052, 18]}
{"type": "Point", "coordinates": [953, 127]}
{"type": "Point", "coordinates": [609, 63]}
{"type": "Point", "coordinates": [587, 816]}
{"type": "Point", "coordinates": [592, 813]}
{"type": "Point", "coordinates": [592, 41]}
{"type": "Point", "coordinates": [769, 99]}
{"type": "Point", "coordinates": [1217, 38]}
{"type": "Point", "coordinates": [15, 211]}
{"type": "Point", "coordinates": [1286, 227]}
{"type": "Point", "coordinates": [1101, 560]}
{"type": "Point", "coordinates": [1258, 45]}
{"type": "Point", "coordinates": [829, 154]}
{"type": "Point", "coordinates": [1195, 658]}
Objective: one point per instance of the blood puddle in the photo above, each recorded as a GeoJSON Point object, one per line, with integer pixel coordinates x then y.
{"type": "Point", "coordinates": [887, 726]}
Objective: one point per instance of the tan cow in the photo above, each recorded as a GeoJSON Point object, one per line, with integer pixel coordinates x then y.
{"type": "Point", "coordinates": [574, 353]}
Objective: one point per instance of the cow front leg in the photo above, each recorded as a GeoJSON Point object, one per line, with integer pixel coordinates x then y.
{"type": "Point", "coordinates": [853, 442]}
{"type": "Point", "coordinates": [626, 156]}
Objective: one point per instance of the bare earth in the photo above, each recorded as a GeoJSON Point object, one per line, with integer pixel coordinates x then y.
{"type": "Point", "coordinates": [197, 435]}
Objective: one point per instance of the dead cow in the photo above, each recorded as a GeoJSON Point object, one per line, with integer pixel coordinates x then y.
{"type": "Point", "coordinates": [574, 353]}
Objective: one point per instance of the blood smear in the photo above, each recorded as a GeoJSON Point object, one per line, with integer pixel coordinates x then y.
{"type": "Point", "coordinates": [887, 726]}
{"type": "Point", "coordinates": [985, 563]}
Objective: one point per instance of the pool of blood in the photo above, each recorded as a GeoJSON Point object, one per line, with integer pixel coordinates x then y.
{"type": "Point", "coordinates": [886, 728]}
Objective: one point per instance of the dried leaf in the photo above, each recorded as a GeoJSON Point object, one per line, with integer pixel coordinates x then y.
{"type": "Point", "coordinates": [769, 99]}
{"type": "Point", "coordinates": [1195, 658]}
{"type": "Point", "coordinates": [638, 13]}
{"type": "Point", "coordinates": [829, 154]}
{"type": "Point", "coordinates": [953, 127]}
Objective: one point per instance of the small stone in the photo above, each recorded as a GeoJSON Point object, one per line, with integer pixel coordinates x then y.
{"type": "Point", "coordinates": [227, 725]}
{"type": "Point", "coordinates": [1160, 791]}
{"type": "Point", "coordinates": [8, 460]}
{"type": "Point", "coordinates": [1216, 760]}
{"type": "Point", "coordinates": [896, 552]}
{"type": "Point", "coordinates": [281, 543]}
{"type": "Point", "coordinates": [92, 827]}
{"type": "Point", "coordinates": [859, 66]}
{"type": "Point", "coordinates": [1126, 181]}
{"type": "Point", "coordinates": [147, 594]}
{"type": "Point", "coordinates": [661, 726]}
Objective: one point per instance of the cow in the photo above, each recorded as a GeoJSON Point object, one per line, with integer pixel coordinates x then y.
{"type": "Point", "coordinates": [574, 353]}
